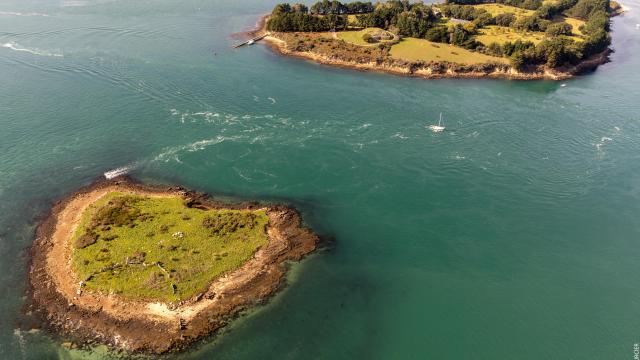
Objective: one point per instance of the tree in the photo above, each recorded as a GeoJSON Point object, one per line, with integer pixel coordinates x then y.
{"type": "Point", "coordinates": [437, 34]}
{"type": "Point", "coordinates": [583, 9]}
{"type": "Point", "coordinates": [281, 9]}
{"type": "Point", "coordinates": [518, 60]}
{"type": "Point", "coordinates": [557, 29]}
{"type": "Point", "coordinates": [599, 20]}
{"type": "Point", "coordinates": [494, 49]}
{"type": "Point", "coordinates": [556, 51]}
{"type": "Point", "coordinates": [300, 8]}
{"type": "Point", "coordinates": [505, 19]}
{"type": "Point", "coordinates": [595, 43]}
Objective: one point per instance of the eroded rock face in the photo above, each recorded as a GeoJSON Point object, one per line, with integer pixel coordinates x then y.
{"type": "Point", "coordinates": [138, 326]}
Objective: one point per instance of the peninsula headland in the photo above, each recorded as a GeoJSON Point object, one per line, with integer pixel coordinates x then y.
{"type": "Point", "coordinates": [515, 39]}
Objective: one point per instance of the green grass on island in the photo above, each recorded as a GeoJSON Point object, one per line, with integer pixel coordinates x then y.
{"type": "Point", "coordinates": [497, 9]}
{"type": "Point", "coordinates": [157, 248]}
{"type": "Point", "coordinates": [360, 37]}
{"type": "Point", "coordinates": [413, 49]}
{"type": "Point", "coordinates": [502, 34]}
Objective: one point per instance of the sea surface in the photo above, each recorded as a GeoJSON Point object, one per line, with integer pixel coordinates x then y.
{"type": "Point", "coordinates": [515, 234]}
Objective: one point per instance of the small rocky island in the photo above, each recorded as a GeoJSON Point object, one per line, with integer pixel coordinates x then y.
{"type": "Point", "coordinates": [152, 269]}
{"type": "Point", "coordinates": [516, 39]}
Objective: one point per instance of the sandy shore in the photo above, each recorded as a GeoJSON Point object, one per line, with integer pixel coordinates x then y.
{"type": "Point", "coordinates": [138, 326]}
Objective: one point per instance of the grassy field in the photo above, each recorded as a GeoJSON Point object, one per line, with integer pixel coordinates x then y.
{"type": "Point", "coordinates": [355, 37]}
{"type": "Point", "coordinates": [501, 35]}
{"type": "Point", "coordinates": [575, 23]}
{"type": "Point", "coordinates": [156, 248]}
{"type": "Point", "coordinates": [423, 50]}
{"type": "Point", "coordinates": [495, 9]}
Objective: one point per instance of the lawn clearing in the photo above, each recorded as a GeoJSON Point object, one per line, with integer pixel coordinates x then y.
{"type": "Point", "coordinates": [356, 37]}
{"type": "Point", "coordinates": [496, 9]}
{"type": "Point", "coordinates": [156, 248]}
{"type": "Point", "coordinates": [412, 49]}
{"type": "Point", "coordinates": [575, 23]}
{"type": "Point", "coordinates": [502, 34]}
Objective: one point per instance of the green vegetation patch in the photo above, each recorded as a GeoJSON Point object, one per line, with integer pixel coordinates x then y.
{"type": "Point", "coordinates": [502, 34]}
{"type": "Point", "coordinates": [497, 9]}
{"type": "Point", "coordinates": [412, 49]}
{"type": "Point", "coordinates": [157, 248]}
{"type": "Point", "coordinates": [366, 37]}
{"type": "Point", "coordinates": [575, 24]}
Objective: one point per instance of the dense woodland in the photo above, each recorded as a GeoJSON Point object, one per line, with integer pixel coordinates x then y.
{"type": "Point", "coordinates": [422, 21]}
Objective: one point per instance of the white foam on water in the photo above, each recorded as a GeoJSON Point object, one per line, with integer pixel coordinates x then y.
{"type": "Point", "coordinates": [15, 13]}
{"type": "Point", "coordinates": [21, 341]}
{"type": "Point", "coordinates": [74, 3]}
{"type": "Point", "coordinates": [15, 47]}
{"type": "Point", "coordinates": [118, 171]}
{"type": "Point", "coordinates": [241, 174]}
{"type": "Point", "coordinates": [399, 136]}
{"type": "Point", "coordinates": [602, 142]}
{"type": "Point", "coordinates": [171, 153]}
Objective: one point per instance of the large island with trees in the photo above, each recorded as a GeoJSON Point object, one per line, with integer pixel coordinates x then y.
{"type": "Point", "coordinates": [520, 39]}
{"type": "Point", "coordinates": [152, 269]}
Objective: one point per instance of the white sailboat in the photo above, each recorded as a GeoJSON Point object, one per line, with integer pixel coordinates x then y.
{"type": "Point", "coordinates": [437, 128]}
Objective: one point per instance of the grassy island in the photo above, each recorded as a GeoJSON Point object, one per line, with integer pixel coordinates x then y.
{"type": "Point", "coordinates": [159, 248]}
{"type": "Point", "coordinates": [153, 269]}
{"type": "Point", "coordinates": [509, 38]}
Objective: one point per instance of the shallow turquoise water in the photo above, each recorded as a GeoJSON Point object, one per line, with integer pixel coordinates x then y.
{"type": "Point", "coordinates": [513, 235]}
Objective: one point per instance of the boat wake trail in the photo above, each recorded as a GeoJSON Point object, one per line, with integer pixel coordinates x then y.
{"type": "Point", "coordinates": [119, 171]}
{"type": "Point", "coordinates": [172, 153]}
{"type": "Point", "coordinates": [15, 47]}
{"type": "Point", "coordinates": [14, 13]}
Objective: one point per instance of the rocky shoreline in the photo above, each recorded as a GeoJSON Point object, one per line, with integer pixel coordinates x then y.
{"type": "Point", "coordinates": [137, 326]}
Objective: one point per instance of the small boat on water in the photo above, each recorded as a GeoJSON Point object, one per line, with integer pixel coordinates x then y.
{"type": "Point", "coordinates": [437, 128]}
{"type": "Point", "coordinates": [251, 42]}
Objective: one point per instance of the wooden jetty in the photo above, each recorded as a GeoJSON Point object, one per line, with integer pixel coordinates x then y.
{"type": "Point", "coordinates": [250, 41]}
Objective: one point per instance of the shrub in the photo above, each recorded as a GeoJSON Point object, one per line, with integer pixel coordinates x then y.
{"type": "Point", "coordinates": [118, 212]}
{"type": "Point", "coordinates": [437, 34]}
{"type": "Point", "coordinates": [85, 240]}
{"type": "Point", "coordinates": [557, 29]}
{"type": "Point", "coordinates": [505, 19]}
{"type": "Point", "coordinates": [369, 39]}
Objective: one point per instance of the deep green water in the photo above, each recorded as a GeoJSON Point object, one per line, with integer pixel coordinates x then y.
{"type": "Point", "coordinates": [513, 235]}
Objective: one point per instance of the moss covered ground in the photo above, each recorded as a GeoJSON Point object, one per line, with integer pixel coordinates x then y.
{"type": "Point", "coordinates": [157, 248]}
